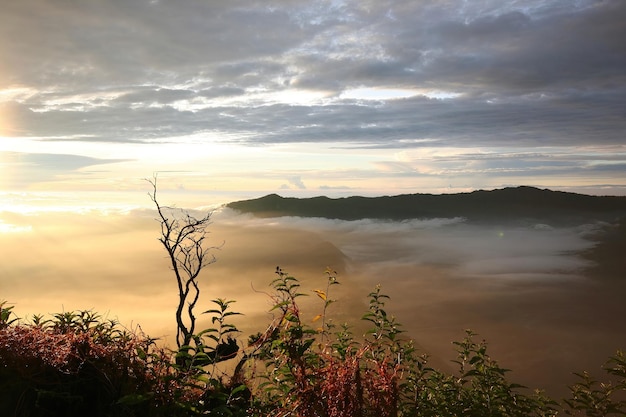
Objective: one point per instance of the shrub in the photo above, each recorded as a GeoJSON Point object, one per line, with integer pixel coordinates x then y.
{"type": "Point", "coordinates": [328, 372]}
{"type": "Point", "coordinates": [78, 364]}
{"type": "Point", "coordinates": [590, 397]}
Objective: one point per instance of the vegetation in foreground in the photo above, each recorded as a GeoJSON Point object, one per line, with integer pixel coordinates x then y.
{"type": "Point", "coordinates": [77, 364]}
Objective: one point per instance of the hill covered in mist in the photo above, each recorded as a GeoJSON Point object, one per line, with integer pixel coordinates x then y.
{"type": "Point", "coordinates": [507, 204]}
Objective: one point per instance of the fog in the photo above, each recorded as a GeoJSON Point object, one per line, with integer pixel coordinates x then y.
{"type": "Point", "coordinates": [523, 288]}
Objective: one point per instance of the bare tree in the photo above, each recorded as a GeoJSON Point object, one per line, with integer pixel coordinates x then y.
{"type": "Point", "coordinates": [183, 237]}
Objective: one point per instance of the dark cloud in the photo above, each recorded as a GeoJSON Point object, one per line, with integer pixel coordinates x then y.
{"type": "Point", "coordinates": [224, 91]}
{"type": "Point", "coordinates": [72, 43]}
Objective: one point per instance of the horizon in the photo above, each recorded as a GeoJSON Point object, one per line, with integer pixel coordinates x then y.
{"type": "Point", "coordinates": [32, 203]}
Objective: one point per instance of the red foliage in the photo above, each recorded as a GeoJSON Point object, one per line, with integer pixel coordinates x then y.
{"type": "Point", "coordinates": [100, 361]}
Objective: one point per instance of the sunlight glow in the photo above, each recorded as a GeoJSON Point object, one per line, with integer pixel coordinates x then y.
{"type": "Point", "coordinates": [12, 228]}
{"type": "Point", "coordinates": [366, 93]}
{"type": "Point", "coordinates": [377, 94]}
{"type": "Point", "coordinates": [287, 96]}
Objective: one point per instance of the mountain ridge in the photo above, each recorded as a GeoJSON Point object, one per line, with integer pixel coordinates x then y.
{"type": "Point", "coordinates": [511, 203]}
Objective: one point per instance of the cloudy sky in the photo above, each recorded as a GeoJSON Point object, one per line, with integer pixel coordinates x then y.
{"type": "Point", "coordinates": [242, 98]}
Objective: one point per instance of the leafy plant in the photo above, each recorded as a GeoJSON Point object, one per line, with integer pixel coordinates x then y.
{"type": "Point", "coordinates": [324, 295]}
{"type": "Point", "coordinates": [289, 379]}
{"type": "Point", "coordinates": [220, 347]}
{"type": "Point", "coordinates": [590, 397]}
{"type": "Point", "coordinates": [317, 372]}
{"type": "Point", "coordinates": [6, 315]}
{"type": "Point", "coordinates": [314, 372]}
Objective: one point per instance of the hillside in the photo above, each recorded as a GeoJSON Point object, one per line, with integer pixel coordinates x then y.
{"type": "Point", "coordinates": [514, 204]}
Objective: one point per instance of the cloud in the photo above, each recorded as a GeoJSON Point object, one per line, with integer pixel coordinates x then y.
{"type": "Point", "coordinates": [521, 287]}
{"type": "Point", "coordinates": [297, 182]}
{"type": "Point", "coordinates": [467, 250]}
{"type": "Point", "coordinates": [20, 170]}
{"type": "Point", "coordinates": [294, 181]}
{"type": "Point", "coordinates": [535, 75]}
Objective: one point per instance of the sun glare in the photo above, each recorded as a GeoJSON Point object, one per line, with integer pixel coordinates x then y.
{"type": "Point", "coordinates": [12, 228]}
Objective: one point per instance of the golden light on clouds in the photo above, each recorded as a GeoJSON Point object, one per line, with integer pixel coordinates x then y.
{"type": "Point", "coordinates": [10, 98]}
{"type": "Point", "coordinates": [13, 228]}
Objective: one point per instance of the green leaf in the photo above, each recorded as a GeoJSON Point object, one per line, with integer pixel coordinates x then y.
{"type": "Point", "coordinates": [292, 318]}
{"type": "Point", "coordinates": [205, 331]}
{"type": "Point", "coordinates": [141, 353]}
{"type": "Point", "coordinates": [213, 337]}
{"type": "Point", "coordinates": [476, 359]}
{"type": "Point", "coordinates": [238, 389]}
{"type": "Point", "coordinates": [281, 304]}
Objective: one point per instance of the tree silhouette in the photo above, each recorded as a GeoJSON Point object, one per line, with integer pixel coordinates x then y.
{"type": "Point", "coordinates": [183, 237]}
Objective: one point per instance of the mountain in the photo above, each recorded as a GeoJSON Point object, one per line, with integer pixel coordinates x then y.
{"type": "Point", "coordinates": [519, 203]}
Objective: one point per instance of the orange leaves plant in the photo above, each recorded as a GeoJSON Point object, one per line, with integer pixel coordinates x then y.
{"type": "Point", "coordinates": [325, 371]}
{"type": "Point", "coordinates": [78, 364]}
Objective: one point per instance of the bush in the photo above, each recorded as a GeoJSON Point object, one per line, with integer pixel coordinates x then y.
{"type": "Point", "coordinates": [590, 397]}
{"type": "Point", "coordinates": [78, 364]}
{"type": "Point", "coordinates": [325, 372]}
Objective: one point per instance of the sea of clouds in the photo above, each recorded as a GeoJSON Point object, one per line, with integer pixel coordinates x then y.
{"type": "Point", "coordinates": [465, 249]}
{"type": "Point", "coordinates": [523, 287]}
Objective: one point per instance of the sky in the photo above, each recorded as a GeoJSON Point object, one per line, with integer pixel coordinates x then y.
{"type": "Point", "coordinates": [229, 100]}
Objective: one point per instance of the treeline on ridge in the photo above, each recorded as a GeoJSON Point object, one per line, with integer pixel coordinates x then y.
{"type": "Point", "coordinates": [502, 204]}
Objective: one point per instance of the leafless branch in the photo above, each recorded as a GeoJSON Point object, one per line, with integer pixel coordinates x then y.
{"type": "Point", "coordinates": [183, 237]}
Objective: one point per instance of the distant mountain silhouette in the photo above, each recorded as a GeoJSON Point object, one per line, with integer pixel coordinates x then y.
{"type": "Point", "coordinates": [517, 204]}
